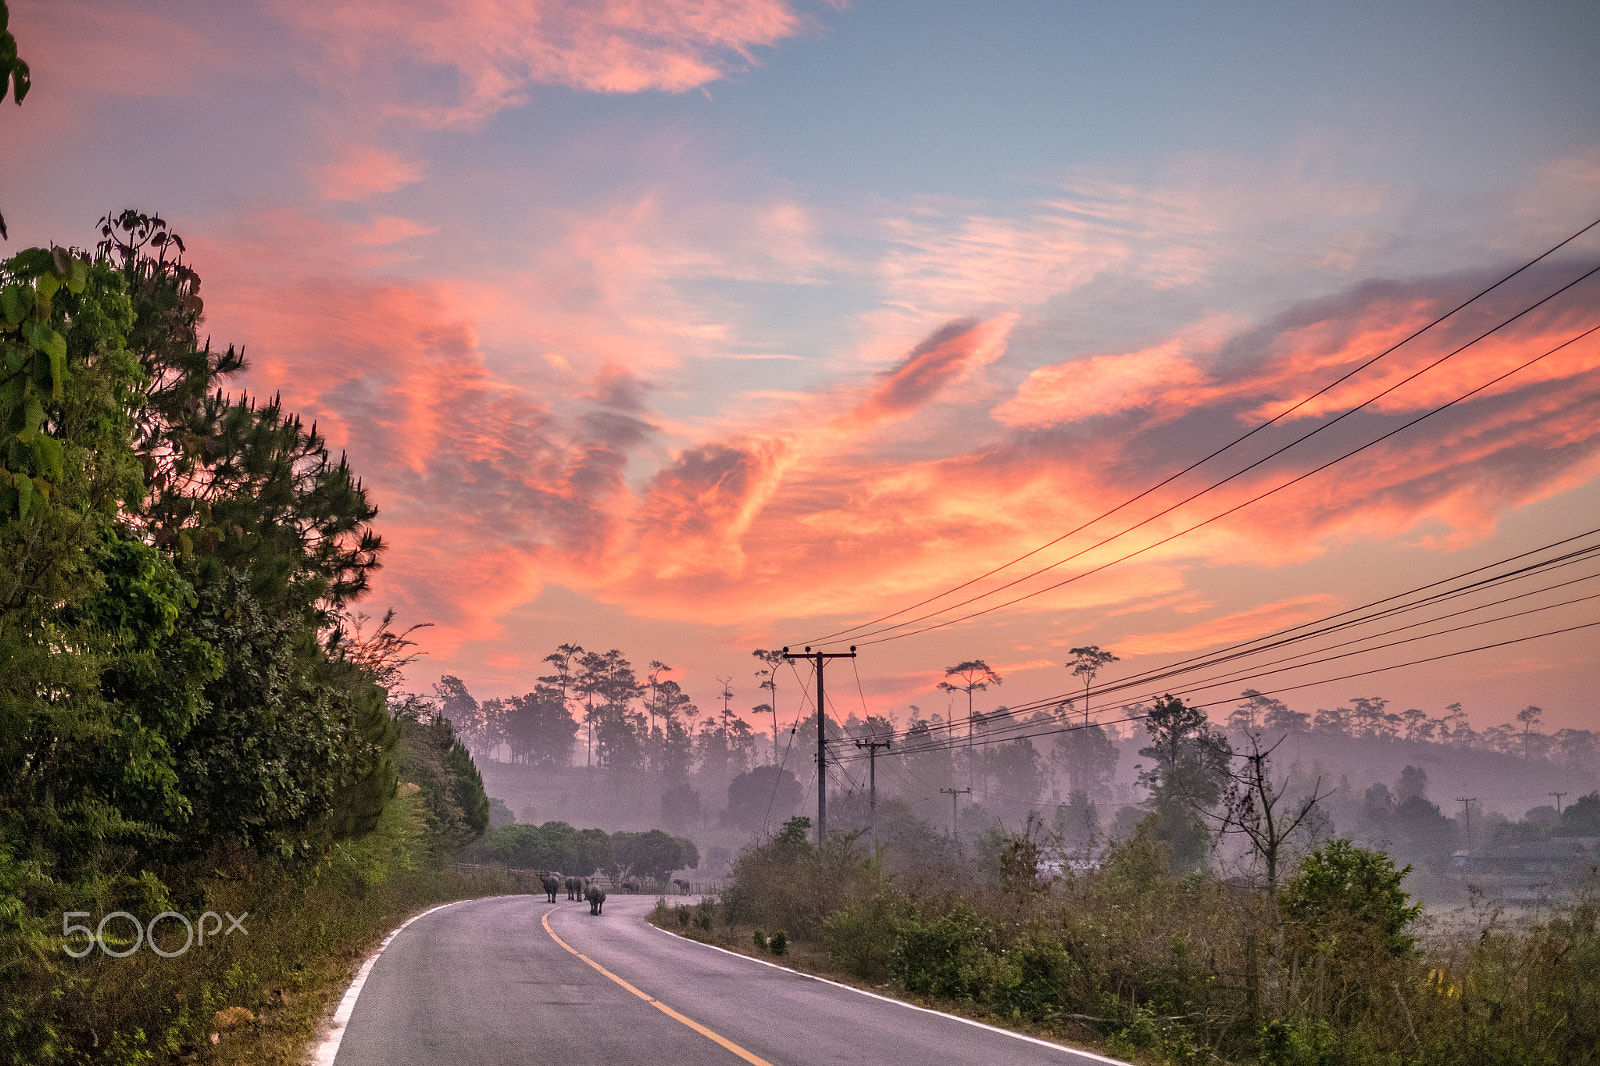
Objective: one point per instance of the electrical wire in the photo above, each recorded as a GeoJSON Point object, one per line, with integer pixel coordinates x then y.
{"type": "Point", "coordinates": [1231, 444]}
{"type": "Point", "coordinates": [1231, 510]}
{"type": "Point", "coordinates": [1388, 607]}
{"type": "Point", "coordinates": [949, 744]}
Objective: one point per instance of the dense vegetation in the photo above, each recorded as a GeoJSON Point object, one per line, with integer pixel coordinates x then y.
{"type": "Point", "coordinates": [1161, 967]}
{"type": "Point", "coordinates": [189, 710]}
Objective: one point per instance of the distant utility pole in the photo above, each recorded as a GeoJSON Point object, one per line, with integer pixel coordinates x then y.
{"type": "Point", "coordinates": [1466, 808]}
{"type": "Point", "coordinates": [872, 747]}
{"type": "Point", "coordinates": [820, 657]}
{"type": "Point", "coordinates": [954, 792]}
{"type": "Point", "coordinates": [1558, 796]}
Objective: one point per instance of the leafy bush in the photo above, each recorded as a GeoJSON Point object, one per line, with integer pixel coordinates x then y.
{"type": "Point", "coordinates": [860, 936]}
{"type": "Point", "coordinates": [947, 956]}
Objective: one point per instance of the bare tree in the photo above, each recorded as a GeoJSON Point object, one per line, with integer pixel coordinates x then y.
{"type": "Point", "coordinates": [1261, 810]}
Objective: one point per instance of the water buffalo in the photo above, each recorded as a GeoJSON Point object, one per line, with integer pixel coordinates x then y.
{"type": "Point", "coordinates": [552, 885]}
{"type": "Point", "coordinates": [574, 888]}
{"type": "Point", "coordinates": [630, 885]}
{"type": "Point", "coordinates": [681, 885]}
{"type": "Point", "coordinates": [596, 897]}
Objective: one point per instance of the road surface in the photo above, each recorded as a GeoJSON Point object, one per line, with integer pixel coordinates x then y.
{"type": "Point", "coordinates": [503, 981]}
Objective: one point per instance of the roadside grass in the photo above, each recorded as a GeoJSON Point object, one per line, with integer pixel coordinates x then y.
{"type": "Point", "coordinates": [813, 958]}
{"type": "Point", "coordinates": [254, 997]}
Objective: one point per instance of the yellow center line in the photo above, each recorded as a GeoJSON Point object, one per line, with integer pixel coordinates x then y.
{"type": "Point", "coordinates": [753, 1059]}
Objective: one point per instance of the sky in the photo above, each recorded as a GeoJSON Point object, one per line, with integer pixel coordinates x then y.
{"type": "Point", "coordinates": [694, 327]}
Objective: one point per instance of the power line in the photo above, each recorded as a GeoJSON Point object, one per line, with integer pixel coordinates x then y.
{"type": "Point", "coordinates": [830, 637]}
{"type": "Point", "coordinates": [947, 745]}
{"type": "Point", "coordinates": [1439, 591]}
{"type": "Point", "coordinates": [1231, 510]}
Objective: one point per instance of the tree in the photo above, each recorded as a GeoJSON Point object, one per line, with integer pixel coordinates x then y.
{"type": "Point", "coordinates": [974, 675]}
{"type": "Point", "coordinates": [1086, 662]}
{"type": "Point", "coordinates": [1259, 808]}
{"type": "Point", "coordinates": [1341, 888]}
{"type": "Point", "coordinates": [540, 729]}
{"type": "Point", "coordinates": [14, 70]}
{"type": "Point", "coordinates": [1529, 716]}
{"type": "Point", "coordinates": [1368, 715]}
{"type": "Point", "coordinates": [457, 704]}
{"type": "Point", "coordinates": [1188, 776]}
{"type": "Point", "coordinates": [771, 659]}
{"type": "Point", "coordinates": [1089, 757]}
{"type": "Point", "coordinates": [762, 795]}
{"type": "Point", "coordinates": [680, 806]}
{"type": "Point", "coordinates": [653, 854]}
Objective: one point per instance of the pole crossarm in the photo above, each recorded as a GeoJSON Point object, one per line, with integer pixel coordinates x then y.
{"type": "Point", "coordinates": [819, 658]}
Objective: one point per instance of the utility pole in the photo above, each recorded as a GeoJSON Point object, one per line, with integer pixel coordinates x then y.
{"type": "Point", "coordinates": [1466, 808]}
{"type": "Point", "coordinates": [1558, 796]}
{"type": "Point", "coordinates": [872, 747]}
{"type": "Point", "coordinates": [820, 657]}
{"type": "Point", "coordinates": [954, 792]}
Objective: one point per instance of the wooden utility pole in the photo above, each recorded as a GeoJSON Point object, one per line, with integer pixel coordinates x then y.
{"type": "Point", "coordinates": [1558, 796]}
{"type": "Point", "coordinates": [1466, 809]}
{"type": "Point", "coordinates": [820, 657]}
{"type": "Point", "coordinates": [872, 747]}
{"type": "Point", "coordinates": [954, 792]}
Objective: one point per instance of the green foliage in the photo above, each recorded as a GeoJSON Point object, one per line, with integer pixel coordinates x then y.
{"type": "Point", "coordinates": [180, 693]}
{"type": "Point", "coordinates": [1189, 772]}
{"type": "Point", "coordinates": [947, 956]}
{"type": "Point", "coordinates": [780, 942]}
{"type": "Point", "coordinates": [860, 935]}
{"type": "Point", "coordinates": [1581, 818]}
{"type": "Point", "coordinates": [1342, 892]}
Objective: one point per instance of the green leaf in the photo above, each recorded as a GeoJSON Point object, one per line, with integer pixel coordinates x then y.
{"type": "Point", "coordinates": [24, 487]}
{"type": "Point", "coordinates": [13, 304]}
{"type": "Point", "coordinates": [48, 284]}
{"type": "Point", "coordinates": [77, 275]}
{"type": "Point", "coordinates": [32, 415]}
{"type": "Point", "coordinates": [47, 455]}
{"type": "Point", "coordinates": [58, 368]}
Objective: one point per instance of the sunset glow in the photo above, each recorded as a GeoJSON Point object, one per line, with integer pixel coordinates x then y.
{"type": "Point", "coordinates": [696, 328]}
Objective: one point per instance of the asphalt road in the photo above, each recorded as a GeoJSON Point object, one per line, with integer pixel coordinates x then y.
{"type": "Point", "coordinates": [486, 983]}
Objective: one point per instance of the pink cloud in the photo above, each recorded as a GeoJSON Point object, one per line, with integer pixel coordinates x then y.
{"type": "Point", "coordinates": [362, 172]}
{"type": "Point", "coordinates": [499, 49]}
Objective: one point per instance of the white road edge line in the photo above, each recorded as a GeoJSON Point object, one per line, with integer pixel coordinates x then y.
{"type": "Point", "coordinates": [900, 1002]}
{"type": "Point", "coordinates": [328, 1049]}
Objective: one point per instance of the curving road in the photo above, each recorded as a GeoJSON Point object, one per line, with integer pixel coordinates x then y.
{"type": "Point", "coordinates": [515, 980]}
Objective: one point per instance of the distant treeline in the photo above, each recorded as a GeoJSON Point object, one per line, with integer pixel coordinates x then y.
{"type": "Point", "coordinates": [584, 852]}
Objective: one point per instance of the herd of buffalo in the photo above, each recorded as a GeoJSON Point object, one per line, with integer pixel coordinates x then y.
{"type": "Point", "coordinates": [581, 888]}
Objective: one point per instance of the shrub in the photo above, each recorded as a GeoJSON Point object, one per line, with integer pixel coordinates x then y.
{"type": "Point", "coordinates": [860, 936]}
{"type": "Point", "coordinates": [760, 938]}
{"type": "Point", "coordinates": [780, 942]}
{"type": "Point", "coordinates": [947, 957]}
{"type": "Point", "coordinates": [1035, 981]}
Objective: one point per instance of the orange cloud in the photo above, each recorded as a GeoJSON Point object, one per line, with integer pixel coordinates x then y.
{"type": "Point", "coordinates": [1241, 625]}
{"type": "Point", "coordinates": [947, 355]}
